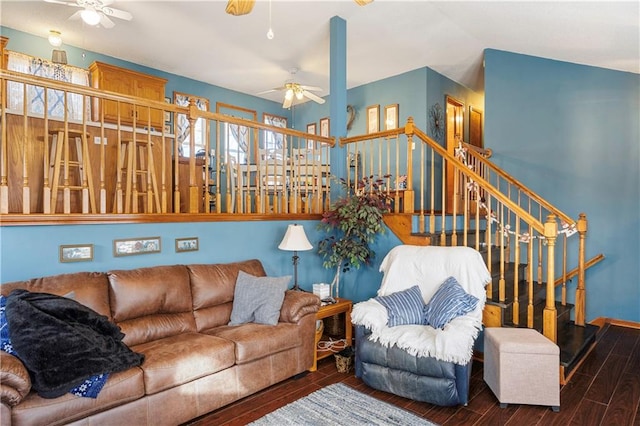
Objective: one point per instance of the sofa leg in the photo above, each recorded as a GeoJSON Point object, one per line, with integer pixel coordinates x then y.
{"type": "Point", "coordinates": [556, 408]}
{"type": "Point", "coordinates": [503, 405]}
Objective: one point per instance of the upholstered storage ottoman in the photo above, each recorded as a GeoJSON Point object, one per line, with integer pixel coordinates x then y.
{"type": "Point", "coordinates": [521, 366]}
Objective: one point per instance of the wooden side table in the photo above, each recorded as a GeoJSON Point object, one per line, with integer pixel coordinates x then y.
{"type": "Point", "coordinates": [342, 306]}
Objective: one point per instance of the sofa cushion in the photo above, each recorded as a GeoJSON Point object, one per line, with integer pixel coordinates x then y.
{"type": "Point", "coordinates": [212, 288]}
{"type": "Point", "coordinates": [121, 388]}
{"type": "Point", "coordinates": [258, 299]}
{"type": "Point", "coordinates": [151, 303]}
{"type": "Point", "coordinates": [254, 341]}
{"type": "Point", "coordinates": [403, 307]}
{"type": "Point", "coordinates": [449, 301]}
{"type": "Point", "coordinates": [89, 288]}
{"type": "Point", "coordinates": [179, 359]}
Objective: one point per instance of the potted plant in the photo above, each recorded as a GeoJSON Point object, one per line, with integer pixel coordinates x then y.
{"type": "Point", "coordinates": [352, 225]}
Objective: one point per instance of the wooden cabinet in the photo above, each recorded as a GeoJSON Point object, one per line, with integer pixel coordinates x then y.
{"type": "Point", "coordinates": [127, 82]}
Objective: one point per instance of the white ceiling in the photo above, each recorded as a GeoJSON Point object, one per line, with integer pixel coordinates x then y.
{"type": "Point", "coordinates": [197, 39]}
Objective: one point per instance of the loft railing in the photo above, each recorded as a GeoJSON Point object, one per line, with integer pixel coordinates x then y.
{"type": "Point", "coordinates": [461, 198]}
{"type": "Point", "coordinates": [131, 162]}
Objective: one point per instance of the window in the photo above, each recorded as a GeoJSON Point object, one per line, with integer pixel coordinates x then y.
{"type": "Point", "coordinates": [273, 140]}
{"type": "Point", "coordinates": [237, 138]}
{"type": "Point", "coordinates": [183, 132]}
{"type": "Point", "coordinates": [239, 141]}
{"type": "Point", "coordinates": [55, 99]}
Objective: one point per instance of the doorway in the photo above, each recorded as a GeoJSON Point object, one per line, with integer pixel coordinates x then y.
{"type": "Point", "coordinates": [454, 131]}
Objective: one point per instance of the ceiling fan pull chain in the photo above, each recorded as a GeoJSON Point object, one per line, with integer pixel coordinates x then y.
{"type": "Point", "coordinates": [270, 34]}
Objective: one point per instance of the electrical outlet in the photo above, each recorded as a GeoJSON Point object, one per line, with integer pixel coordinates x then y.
{"type": "Point", "coordinates": [96, 140]}
{"type": "Point", "coordinates": [413, 146]}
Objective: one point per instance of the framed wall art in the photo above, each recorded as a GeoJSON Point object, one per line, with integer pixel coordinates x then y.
{"type": "Point", "coordinates": [311, 129]}
{"type": "Point", "coordinates": [373, 118]}
{"type": "Point", "coordinates": [129, 247]}
{"type": "Point", "coordinates": [76, 253]}
{"type": "Point", "coordinates": [391, 113]}
{"type": "Point", "coordinates": [187, 244]}
{"type": "Point", "coordinates": [324, 127]}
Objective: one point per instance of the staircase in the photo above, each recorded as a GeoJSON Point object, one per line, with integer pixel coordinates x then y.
{"type": "Point", "coordinates": [458, 197]}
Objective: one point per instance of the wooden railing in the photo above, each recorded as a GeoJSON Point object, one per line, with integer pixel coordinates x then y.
{"type": "Point", "coordinates": [271, 170]}
{"type": "Point", "coordinates": [461, 198]}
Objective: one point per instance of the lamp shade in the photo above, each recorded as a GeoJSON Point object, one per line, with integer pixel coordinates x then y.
{"type": "Point", "coordinates": [295, 239]}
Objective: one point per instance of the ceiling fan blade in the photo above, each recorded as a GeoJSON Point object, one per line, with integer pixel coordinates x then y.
{"type": "Point", "coordinates": [67, 3]}
{"type": "Point", "coordinates": [75, 16]}
{"type": "Point", "coordinates": [312, 88]}
{"type": "Point", "coordinates": [287, 103]}
{"type": "Point", "coordinates": [275, 89]}
{"type": "Point", "coordinates": [239, 7]}
{"type": "Point", "coordinates": [106, 22]}
{"type": "Point", "coordinates": [313, 97]}
{"type": "Point", "coordinates": [117, 13]}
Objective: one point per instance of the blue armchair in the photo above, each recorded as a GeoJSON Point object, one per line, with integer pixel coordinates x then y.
{"type": "Point", "coordinates": [418, 361]}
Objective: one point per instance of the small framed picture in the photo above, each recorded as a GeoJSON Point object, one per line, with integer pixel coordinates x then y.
{"type": "Point", "coordinates": [131, 247]}
{"type": "Point", "coordinates": [373, 118]}
{"type": "Point", "coordinates": [187, 244]}
{"type": "Point", "coordinates": [76, 253]}
{"type": "Point", "coordinates": [167, 114]}
{"type": "Point", "coordinates": [311, 129]}
{"type": "Point", "coordinates": [391, 117]}
{"type": "Point", "coordinates": [324, 127]}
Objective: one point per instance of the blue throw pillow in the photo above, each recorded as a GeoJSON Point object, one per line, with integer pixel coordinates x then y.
{"type": "Point", "coordinates": [403, 307]}
{"type": "Point", "coordinates": [449, 302]}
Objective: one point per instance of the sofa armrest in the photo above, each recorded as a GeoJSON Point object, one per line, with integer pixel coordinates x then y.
{"type": "Point", "coordinates": [297, 304]}
{"type": "Point", "coordinates": [15, 380]}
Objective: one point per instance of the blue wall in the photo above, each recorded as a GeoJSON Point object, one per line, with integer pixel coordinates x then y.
{"type": "Point", "coordinates": [572, 134]}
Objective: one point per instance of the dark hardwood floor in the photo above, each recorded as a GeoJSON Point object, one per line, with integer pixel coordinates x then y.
{"type": "Point", "coordinates": [605, 390]}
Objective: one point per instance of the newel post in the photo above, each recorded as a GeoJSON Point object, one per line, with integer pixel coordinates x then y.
{"type": "Point", "coordinates": [549, 315]}
{"type": "Point", "coordinates": [581, 290]}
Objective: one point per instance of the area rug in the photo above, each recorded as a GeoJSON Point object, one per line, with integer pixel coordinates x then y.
{"type": "Point", "coordinates": [339, 404]}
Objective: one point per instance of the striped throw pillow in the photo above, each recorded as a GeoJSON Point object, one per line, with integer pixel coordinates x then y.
{"type": "Point", "coordinates": [449, 302]}
{"type": "Point", "coordinates": [403, 307]}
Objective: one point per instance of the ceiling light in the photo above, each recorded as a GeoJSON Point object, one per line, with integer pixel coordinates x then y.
{"type": "Point", "coordinates": [55, 38]}
{"type": "Point", "coordinates": [289, 94]}
{"type": "Point", "coordinates": [90, 17]}
{"type": "Point", "coordinates": [299, 95]}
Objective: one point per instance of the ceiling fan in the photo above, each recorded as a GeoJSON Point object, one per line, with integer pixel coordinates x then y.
{"type": "Point", "coordinates": [295, 90]}
{"type": "Point", "coordinates": [242, 7]}
{"type": "Point", "coordinates": [95, 12]}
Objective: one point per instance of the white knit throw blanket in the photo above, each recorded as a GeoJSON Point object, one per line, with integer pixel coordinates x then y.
{"type": "Point", "coordinates": [405, 266]}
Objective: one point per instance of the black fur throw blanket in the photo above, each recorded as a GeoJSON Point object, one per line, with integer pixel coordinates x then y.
{"type": "Point", "coordinates": [62, 342]}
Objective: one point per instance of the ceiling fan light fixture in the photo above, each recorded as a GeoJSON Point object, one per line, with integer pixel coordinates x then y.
{"type": "Point", "coordinates": [299, 95]}
{"type": "Point", "coordinates": [288, 94]}
{"type": "Point", "coordinates": [55, 38]}
{"type": "Point", "coordinates": [90, 16]}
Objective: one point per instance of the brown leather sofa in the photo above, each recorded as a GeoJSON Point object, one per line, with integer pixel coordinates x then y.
{"type": "Point", "coordinates": [194, 362]}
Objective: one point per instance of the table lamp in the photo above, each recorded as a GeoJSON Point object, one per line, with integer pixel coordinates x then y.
{"type": "Point", "coordinates": [295, 240]}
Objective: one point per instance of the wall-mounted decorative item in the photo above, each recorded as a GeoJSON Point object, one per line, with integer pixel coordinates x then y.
{"type": "Point", "coordinates": [351, 115]}
{"type": "Point", "coordinates": [187, 244]}
{"type": "Point", "coordinates": [324, 127]}
{"type": "Point", "coordinates": [76, 253]}
{"type": "Point", "coordinates": [391, 116]}
{"type": "Point", "coordinates": [436, 122]}
{"type": "Point", "coordinates": [130, 247]}
{"type": "Point", "coordinates": [373, 118]}
{"type": "Point", "coordinates": [311, 129]}
{"type": "Point", "coordinates": [475, 127]}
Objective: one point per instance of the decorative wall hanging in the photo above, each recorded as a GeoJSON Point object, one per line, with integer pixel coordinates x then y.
{"type": "Point", "coordinates": [373, 119]}
{"type": "Point", "coordinates": [436, 122]}
{"type": "Point", "coordinates": [391, 113]}
{"type": "Point", "coordinates": [76, 253]}
{"type": "Point", "coordinates": [187, 244]}
{"type": "Point", "coordinates": [130, 247]}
